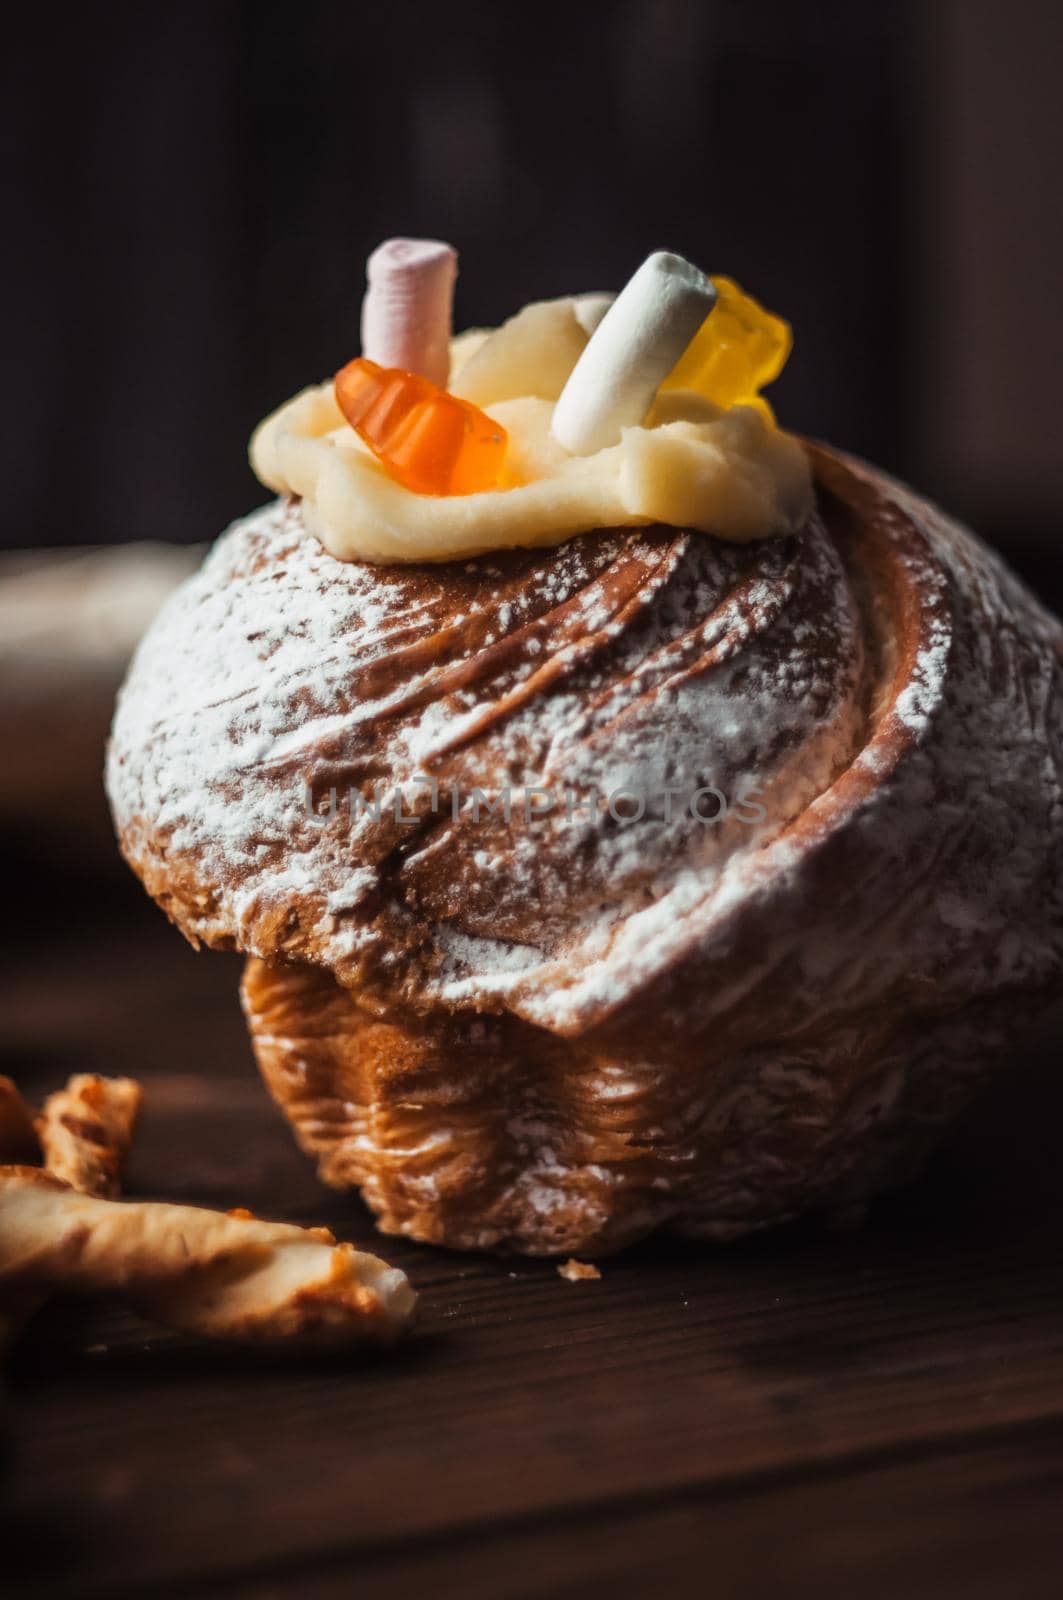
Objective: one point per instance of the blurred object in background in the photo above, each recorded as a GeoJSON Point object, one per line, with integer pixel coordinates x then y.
{"type": "Point", "coordinates": [197, 187]}
{"type": "Point", "coordinates": [69, 621]}
{"type": "Point", "coordinates": [986, 264]}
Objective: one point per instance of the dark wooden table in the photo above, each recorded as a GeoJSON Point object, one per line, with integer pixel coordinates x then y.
{"type": "Point", "coordinates": [872, 1414]}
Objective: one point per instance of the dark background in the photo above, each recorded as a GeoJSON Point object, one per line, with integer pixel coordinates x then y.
{"type": "Point", "coordinates": [195, 188]}
{"type": "Point", "coordinates": [192, 190]}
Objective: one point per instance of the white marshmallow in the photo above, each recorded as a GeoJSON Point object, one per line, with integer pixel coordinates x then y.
{"type": "Point", "coordinates": [406, 313]}
{"type": "Point", "coordinates": [631, 352]}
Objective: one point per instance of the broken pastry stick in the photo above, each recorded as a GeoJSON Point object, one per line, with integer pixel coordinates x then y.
{"type": "Point", "coordinates": [224, 1277]}
{"type": "Point", "coordinates": [86, 1129]}
{"type": "Point", "coordinates": [84, 1133]}
{"type": "Point", "coordinates": [18, 1141]}
{"type": "Point", "coordinates": [203, 1272]}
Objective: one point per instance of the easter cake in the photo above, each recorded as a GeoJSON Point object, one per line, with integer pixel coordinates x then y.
{"type": "Point", "coordinates": [633, 816]}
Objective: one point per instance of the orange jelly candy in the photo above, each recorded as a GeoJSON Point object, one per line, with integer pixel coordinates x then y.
{"type": "Point", "coordinates": [426, 439]}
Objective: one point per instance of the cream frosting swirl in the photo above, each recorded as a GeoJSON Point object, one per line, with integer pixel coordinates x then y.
{"type": "Point", "coordinates": [731, 472]}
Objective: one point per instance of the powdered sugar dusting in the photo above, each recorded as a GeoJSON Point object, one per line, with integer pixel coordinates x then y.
{"type": "Point", "coordinates": [907, 804]}
{"type": "Point", "coordinates": [625, 662]}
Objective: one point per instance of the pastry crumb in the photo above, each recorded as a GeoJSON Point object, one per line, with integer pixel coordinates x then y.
{"type": "Point", "coordinates": [575, 1271]}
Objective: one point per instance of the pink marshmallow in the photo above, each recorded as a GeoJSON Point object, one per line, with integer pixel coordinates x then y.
{"type": "Point", "coordinates": [406, 313]}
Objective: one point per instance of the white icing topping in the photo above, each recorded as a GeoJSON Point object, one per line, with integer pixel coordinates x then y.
{"type": "Point", "coordinates": [730, 473]}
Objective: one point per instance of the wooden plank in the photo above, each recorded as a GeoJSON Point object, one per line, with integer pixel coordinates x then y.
{"type": "Point", "coordinates": [584, 1426]}
{"type": "Point", "coordinates": [974, 1526]}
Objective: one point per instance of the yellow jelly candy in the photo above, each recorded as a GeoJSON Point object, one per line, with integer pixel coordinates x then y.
{"type": "Point", "coordinates": [738, 349]}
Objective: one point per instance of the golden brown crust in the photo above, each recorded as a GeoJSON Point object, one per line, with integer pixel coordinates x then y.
{"type": "Point", "coordinates": [83, 1135]}
{"type": "Point", "coordinates": [554, 1040]}
{"type": "Point", "coordinates": [487, 1133]}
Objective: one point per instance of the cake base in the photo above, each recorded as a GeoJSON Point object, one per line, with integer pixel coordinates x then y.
{"type": "Point", "coordinates": [484, 1132]}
